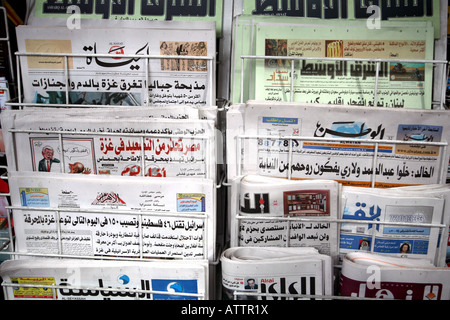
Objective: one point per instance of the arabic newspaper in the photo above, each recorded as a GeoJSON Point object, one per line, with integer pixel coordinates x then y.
{"type": "Point", "coordinates": [411, 212]}
{"type": "Point", "coordinates": [260, 273]}
{"type": "Point", "coordinates": [367, 275]}
{"type": "Point", "coordinates": [401, 83]}
{"type": "Point", "coordinates": [282, 213]}
{"type": "Point", "coordinates": [82, 279]}
{"type": "Point", "coordinates": [109, 76]}
{"type": "Point", "coordinates": [342, 145]}
{"type": "Point", "coordinates": [443, 191]}
{"type": "Point", "coordinates": [102, 145]}
{"type": "Point", "coordinates": [108, 216]}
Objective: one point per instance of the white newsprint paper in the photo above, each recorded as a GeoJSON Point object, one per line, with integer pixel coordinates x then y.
{"type": "Point", "coordinates": [133, 146]}
{"type": "Point", "coordinates": [367, 275]}
{"type": "Point", "coordinates": [82, 279]}
{"type": "Point", "coordinates": [139, 217]}
{"type": "Point", "coordinates": [443, 191]}
{"type": "Point", "coordinates": [411, 212]}
{"type": "Point", "coordinates": [105, 67]}
{"type": "Point", "coordinates": [273, 212]}
{"type": "Point", "coordinates": [339, 143]}
{"type": "Point", "coordinates": [271, 273]}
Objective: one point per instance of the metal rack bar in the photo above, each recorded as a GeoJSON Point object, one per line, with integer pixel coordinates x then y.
{"type": "Point", "coordinates": [291, 296]}
{"type": "Point", "coordinates": [338, 221]}
{"type": "Point", "coordinates": [409, 224]}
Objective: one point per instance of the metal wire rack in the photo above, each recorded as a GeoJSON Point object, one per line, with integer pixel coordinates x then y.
{"type": "Point", "coordinates": [8, 248]}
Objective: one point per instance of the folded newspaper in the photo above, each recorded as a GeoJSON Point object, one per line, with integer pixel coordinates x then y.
{"type": "Point", "coordinates": [309, 141]}
{"type": "Point", "coordinates": [79, 279]}
{"type": "Point", "coordinates": [367, 275]}
{"type": "Point", "coordinates": [110, 65]}
{"type": "Point", "coordinates": [137, 145]}
{"type": "Point", "coordinates": [273, 273]}
{"type": "Point", "coordinates": [272, 212]}
{"type": "Point", "coordinates": [139, 217]}
{"type": "Point", "coordinates": [392, 222]}
{"type": "Point", "coordinates": [439, 190]}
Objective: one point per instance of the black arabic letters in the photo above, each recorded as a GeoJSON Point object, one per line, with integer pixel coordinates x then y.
{"type": "Point", "coordinates": [328, 9]}
{"type": "Point", "coordinates": [119, 62]}
{"type": "Point", "coordinates": [339, 68]}
{"type": "Point", "coordinates": [363, 130]}
{"type": "Point", "coordinates": [354, 169]}
{"type": "Point", "coordinates": [260, 232]}
{"type": "Point", "coordinates": [201, 8]}
{"type": "Point", "coordinates": [368, 70]}
{"type": "Point", "coordinates": [395, 9]}
{"type": "Point", "coordinates": [145, 286]}
{"type": "Point", "coordinates": [120, 7]}
{"type": "Point", "coordinates": [120, 235]}
{"type": "Point", "coordinates": [188, 8]}
{"type": "Point", "coordinates": [335, 9]}
{"type": "Point", "coordinates": [102, 7]}
{"type": "Point", "coordinates": [331, 9]}
{"type": "Point", "coordinates": [152, 8]}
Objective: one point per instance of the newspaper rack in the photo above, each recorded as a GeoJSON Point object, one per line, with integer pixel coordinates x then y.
{"type": "Point", "coordinates": [241, 152]}
{"type": "Point", "coordinates": [290, 296]}
{"type": "Point", "coordinates": [210, 60]}
{"type": "Point", "coordinates": [7, 246]}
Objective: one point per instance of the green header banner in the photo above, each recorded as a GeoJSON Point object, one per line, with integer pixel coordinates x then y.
{"type": "Point", "coordinates": [428, 10]}
{"type": "Point", "coordinates": [204, 10]}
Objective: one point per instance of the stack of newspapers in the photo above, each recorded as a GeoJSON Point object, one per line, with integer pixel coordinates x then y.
{"type": "Point", "coordinates": [126, 174]}
{"type": "Point", "coordinates": [268, 211]}
{"type": "Point", "coordinates": [126, 184]}
{"type": "Point", "coordinates": [339, 179]}
{"type": "Point", "coordinates": [273, 216]}
{"type": "Point", "coordinates": [273, 273]}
